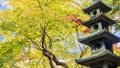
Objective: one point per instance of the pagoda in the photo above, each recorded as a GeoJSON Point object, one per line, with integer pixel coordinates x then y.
{"type": "Point", "coordinates": [101, 39]}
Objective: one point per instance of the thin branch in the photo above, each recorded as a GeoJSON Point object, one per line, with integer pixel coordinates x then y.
{"type": "Point", "coordinates": [44, 46]}
{"type": "Point", "coordinates": [77, 32]}
{"type": "Point", "coordinates": [51, 63]}
{"type": "Point", "coordinates": [82, 51]}
{"type": "Point", "coordinates": [40, 5]}
{"type": "Point", "coordinates": [115, 32]}
{"type": "Point", "coordinates": [46, 3]}
{"type": "Point", "coordinates": [37, 45]}
{"type": "Point", "coordinates": [81, 55]}
{"type": "Point", "coordinates": [78, 38]}
{"type": "Point", "coordinates": [50, 41]}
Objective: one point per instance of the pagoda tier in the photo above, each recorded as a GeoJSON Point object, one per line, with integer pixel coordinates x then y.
{"type": "Point", "coordinates": [100, 57]}
{"type": "Point", "coordinates": [104, 8]}
{"type": "Point", "coordinates": [102, 34]}
{"type": "Point", "coordinates": [102, 18]}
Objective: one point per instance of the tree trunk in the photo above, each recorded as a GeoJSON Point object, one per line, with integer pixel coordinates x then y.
{"type": "Point", "coordinates": [52, 57]}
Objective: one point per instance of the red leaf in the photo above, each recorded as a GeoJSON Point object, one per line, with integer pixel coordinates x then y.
{"type": "Point", "coordinates": [116, 47]}
{"type": "Point", "coordinates": [86, 30]}
{"type": "Point", "coordinates": [78, 21]}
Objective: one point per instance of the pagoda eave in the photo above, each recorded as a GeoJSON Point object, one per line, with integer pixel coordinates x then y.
{"type": "Point", "coordinates": [106, 56]}
{"type": "Point", "coordinates": [100, 5]}
{"type": "Point", "coordinates": [103, 34]}
{"type": "Point", "coordinates": [100, 17]}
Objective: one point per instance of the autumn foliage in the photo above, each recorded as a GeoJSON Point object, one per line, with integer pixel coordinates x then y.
{"type": "Point", "coordinates": [116, 48]}
{"type": "Point", "coordinates": [77, 22]}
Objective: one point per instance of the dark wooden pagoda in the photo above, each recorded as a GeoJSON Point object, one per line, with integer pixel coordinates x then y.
{"type": "Point", "coordinates": [100, 40]}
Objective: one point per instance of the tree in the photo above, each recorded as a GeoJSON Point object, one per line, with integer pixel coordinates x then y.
{"type": "Point", "coordinates": [38, 25]}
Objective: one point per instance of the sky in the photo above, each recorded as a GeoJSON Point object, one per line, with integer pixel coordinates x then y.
{"type": "Point", "coordinates": [118, 33]}
{"type": "Point", "coordinates": [3, 5]}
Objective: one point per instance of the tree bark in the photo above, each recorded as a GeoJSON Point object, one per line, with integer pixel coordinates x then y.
{"type": "Point", "coordinates": [51, 57]}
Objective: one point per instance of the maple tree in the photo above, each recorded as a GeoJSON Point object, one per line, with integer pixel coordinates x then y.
{"type": "Point", "coordinates": [37, 25]}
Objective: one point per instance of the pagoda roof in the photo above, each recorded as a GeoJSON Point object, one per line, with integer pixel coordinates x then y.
{"type": "Point", "coordinates": [104, 8]}
{"type": "Point", "coordinates": [103, 56]}
{"type": "Point", "coordinates": [103, 18]}
{"type": "Point", "coordinates": [101, 34]}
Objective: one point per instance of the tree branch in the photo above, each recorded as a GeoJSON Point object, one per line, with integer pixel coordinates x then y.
{"type": "Point", "coordinates": [51, 63]}
{"type": "Point", "coordinates": [49, 54]}
{"type": "Point", "coordinates": [37, 46]}
{"type": "Point", "coordinates": [115, 32]}
{"type": "Point", "coordinates": [50, 41]}
{"type": "Point", "coordinates": [44, 46]}
{"type": "Point", "coordinates": [40, 5]}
